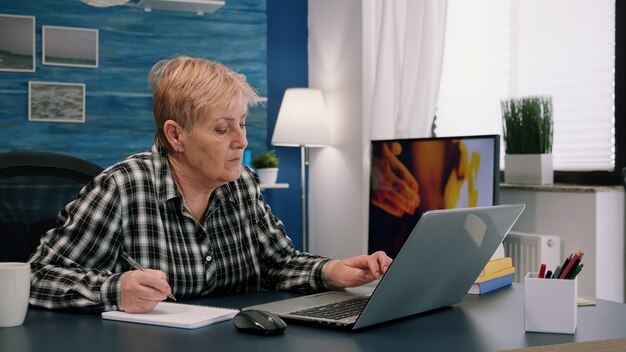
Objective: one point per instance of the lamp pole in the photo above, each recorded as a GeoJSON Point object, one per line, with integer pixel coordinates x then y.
{"type": "Point", "coordinates": [303, 164]}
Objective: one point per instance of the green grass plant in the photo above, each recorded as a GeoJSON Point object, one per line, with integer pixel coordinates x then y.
{"type": "Point", "coordinates": [265, 160]}
{"type": "Point", "coordinates": [527, 124]}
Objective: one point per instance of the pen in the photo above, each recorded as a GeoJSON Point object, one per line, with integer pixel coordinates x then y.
{"type": "Point", "coordinates": [548, 274]}
{"type": "Point", "coordinates": [575, 258]}
{"type": "Point", "coordinates": [575, 272]}
{"type": "Point", "coordinates": [555, 274]}
{"type": "Point", "coordinates": [542, 271]}
{"type": "Point", "coordinates": [576, 264]}
{"type": "Point", "coordinates": [138, 266]}
{"type": "Point", "coordinates": [565, 263]}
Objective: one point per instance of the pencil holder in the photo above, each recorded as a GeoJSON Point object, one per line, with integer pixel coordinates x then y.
{"type": "Point", "coordinates": [550, 305]}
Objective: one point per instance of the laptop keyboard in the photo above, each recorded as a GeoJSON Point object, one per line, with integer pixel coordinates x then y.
{"type": "Point", "coordinates": [336, 311]}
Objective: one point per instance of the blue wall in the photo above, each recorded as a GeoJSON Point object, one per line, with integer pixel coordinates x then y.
{"type": "Point", "coordinates": [265, 41]}
{"type": "Point", "coordinates": [287, 67]}
{"type": "Point", "coordinates": [119, 118]}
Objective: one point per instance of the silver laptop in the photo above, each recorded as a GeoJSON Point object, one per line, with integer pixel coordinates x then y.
{"type": "Point", "coordinates": [435, 268]}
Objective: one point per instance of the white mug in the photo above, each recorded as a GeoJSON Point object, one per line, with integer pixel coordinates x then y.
{"type": "Point", "coordinates": [14, 293]}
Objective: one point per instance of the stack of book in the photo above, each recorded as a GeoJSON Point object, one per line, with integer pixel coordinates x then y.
{"type": "Point", "coordinates": [496, 274]}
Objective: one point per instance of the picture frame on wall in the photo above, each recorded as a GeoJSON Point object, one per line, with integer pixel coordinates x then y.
{"type": "Point", "coordinates": [17, 43]}
{"type": "Point", "coordinates": [56, 102]}
{"type": "Point", "coordinates": [69, 46]}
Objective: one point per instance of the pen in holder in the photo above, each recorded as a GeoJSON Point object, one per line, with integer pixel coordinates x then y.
{"type": "Point", "coordinates": [550, 304]}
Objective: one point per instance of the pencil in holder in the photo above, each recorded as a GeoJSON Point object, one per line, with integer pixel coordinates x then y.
{"type": "Point", "coordinates": [550, 305]}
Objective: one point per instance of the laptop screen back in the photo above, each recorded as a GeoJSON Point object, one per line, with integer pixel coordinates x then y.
{"type": "Point", "coordinates": [439, 262]}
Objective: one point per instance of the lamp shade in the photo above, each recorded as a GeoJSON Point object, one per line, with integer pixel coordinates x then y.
{"type": "Point", "coordinates": [302, 119]}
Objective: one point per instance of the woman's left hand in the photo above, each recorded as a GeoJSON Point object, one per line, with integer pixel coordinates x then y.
{"type": "Point", "coordinates": [356, 271]}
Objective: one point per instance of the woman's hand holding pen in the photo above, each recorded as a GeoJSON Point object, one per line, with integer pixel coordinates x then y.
{"type": "Point", "coordinates": [142, 290]}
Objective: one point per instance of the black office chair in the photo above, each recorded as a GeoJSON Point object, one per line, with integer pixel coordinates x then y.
{"type": "Point", "coordinates": [34, 188]}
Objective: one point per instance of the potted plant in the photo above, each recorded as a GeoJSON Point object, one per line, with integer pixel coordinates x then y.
{"type": "Point", "coordinates": [528, 132]}
{"type": "Point", "coordinates": [266, 166]}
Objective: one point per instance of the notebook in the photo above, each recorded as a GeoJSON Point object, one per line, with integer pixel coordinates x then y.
{"type": "Point", "coordinates": [178, 315]}
{"type": "Point", "coordinates": [436, 266]}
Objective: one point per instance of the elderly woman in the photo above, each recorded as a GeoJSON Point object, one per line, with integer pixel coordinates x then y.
{"type": "Point", "coordinates": [186, 210]}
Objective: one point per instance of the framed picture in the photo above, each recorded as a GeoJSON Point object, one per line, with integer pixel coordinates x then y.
{"type": "Point", "coordinates": [69, 46]}
{"type": "Point", "coordinates": [17, 43]}
{"type": "Point", "coordinates": [56, 102]}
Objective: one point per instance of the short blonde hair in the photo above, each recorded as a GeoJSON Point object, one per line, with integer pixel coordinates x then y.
{"type": "Point", "coordinates": [186, 89]}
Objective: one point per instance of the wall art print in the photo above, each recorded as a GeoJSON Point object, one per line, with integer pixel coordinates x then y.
{"type": "Point", "coordinates": [70, 46]}
{"type": "Point", "coordinates": [56, 102]}
{"type": "Point", "coordinates": [17, 43]}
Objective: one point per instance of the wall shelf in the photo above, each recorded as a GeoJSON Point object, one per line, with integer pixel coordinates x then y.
{"type": "Point", "coordinates": [200, 7]}
{"type": "Point", "coordinates": [265, 186]}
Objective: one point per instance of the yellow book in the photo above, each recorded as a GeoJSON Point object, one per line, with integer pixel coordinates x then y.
{"type": "Point", "coordinates": [496, 265]}
{"type": "Point", "coordinates": [507, 271]}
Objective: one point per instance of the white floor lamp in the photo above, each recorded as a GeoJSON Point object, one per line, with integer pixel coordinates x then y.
{"type": "Point", "coordinates": [302, 122]}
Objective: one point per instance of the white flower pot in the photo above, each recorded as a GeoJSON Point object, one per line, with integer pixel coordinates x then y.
{"type": "Point", "coordinates": [528, 168]}
{"type": "Point", "coordinates": [268, 175]}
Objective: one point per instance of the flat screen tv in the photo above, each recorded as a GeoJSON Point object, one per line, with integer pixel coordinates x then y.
{"type": "Point", "coordinates": [411, 176]}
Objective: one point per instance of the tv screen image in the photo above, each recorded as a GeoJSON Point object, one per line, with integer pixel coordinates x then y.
{"type": "Point", "coordinates": [411, 176]}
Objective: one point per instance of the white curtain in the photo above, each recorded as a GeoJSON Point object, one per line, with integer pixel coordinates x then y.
{"type": "Point", "coordinates": [509, 49]}
{"type": "Point", "coordinates": [408, 60]}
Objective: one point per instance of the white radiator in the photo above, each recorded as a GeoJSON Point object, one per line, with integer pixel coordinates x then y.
{"type": "Point", "coordinates": [529, 250]}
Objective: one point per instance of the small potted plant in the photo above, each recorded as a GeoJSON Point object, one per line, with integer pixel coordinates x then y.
{"type": "Point", "coordinates": [528, 133]}
{"type": "Point", "coordinates": [266, 166]}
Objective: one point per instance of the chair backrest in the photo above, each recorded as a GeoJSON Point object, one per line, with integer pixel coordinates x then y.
{"type": "Point", "coordinates": [34, 188]}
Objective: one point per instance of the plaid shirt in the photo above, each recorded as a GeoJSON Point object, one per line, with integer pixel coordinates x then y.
{"type": "Point", "coordinates": [135, 207]}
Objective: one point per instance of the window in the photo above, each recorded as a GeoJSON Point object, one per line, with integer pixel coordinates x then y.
{"type": "Point", "coordinates": [568, 49]}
